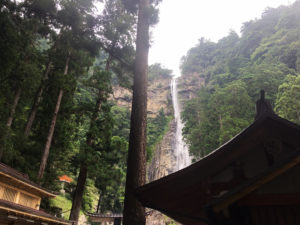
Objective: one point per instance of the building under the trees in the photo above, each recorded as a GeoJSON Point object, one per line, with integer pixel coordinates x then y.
{"type": "Point", "coordinates": [105, 219]}
{"type": "Point", "coordinates": [253, 179]}
{"type": "Point", "coordinates": [20, 200]}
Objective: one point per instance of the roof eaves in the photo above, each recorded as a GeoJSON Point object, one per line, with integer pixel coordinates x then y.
{"type": "Point", "coordinates": [256, 182]}
{"type": "Point", "coordinates": [21, 178]}
{"type": "Point", "coordinates": [208, 157]}
{"type": "Point", "coordinates": [32, 213]}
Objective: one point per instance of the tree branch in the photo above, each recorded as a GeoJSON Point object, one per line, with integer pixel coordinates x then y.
{"type": "Point", "coordinates": [127, 65]}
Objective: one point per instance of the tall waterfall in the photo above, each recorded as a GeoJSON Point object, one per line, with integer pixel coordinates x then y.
{"type": "Point", "coordinates": [181, 152]}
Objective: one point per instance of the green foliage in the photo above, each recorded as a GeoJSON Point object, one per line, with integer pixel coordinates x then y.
{"type": "Point", "coordinates": [199, 57]}
{"type": "Point", "coordinates": [90, 197]}
{"type": "Point", "coordinates": [64, 203]}
{"type": "Point", "coordinates": [36, 32]}
{"type": "Point", "coordinates": [288, 99]}
{"type": "Point", "coordinates": [235, 68]}
{"type": "Point", "coordinates": [121, 117]}
{"type": "Point", "coordinates": [111, 180]}
{"type": "Point", "coordinates": [156, 128]}
{"type": "Point", "coordinates": [157, 71]}
{"type": "Point", "coordinates": [232, 108]}
{"type": "Point", "coordinates": [213, 119]}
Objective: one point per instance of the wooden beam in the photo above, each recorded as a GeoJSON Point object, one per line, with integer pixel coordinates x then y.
{"type": "Point", "coordinates": [37, 199]}
{"type": "Point", "coordinates": [270, 199]}
{"type": "Point", "coordinates": [34, 216]}
{"type": "Point", "coordinates": [242, 193]}
{"type": "Point", "coordinates": [47, 193]}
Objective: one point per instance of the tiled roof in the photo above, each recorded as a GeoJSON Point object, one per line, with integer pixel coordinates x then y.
{"type": "Point", "coordinates": [99, 215]}
{"type": "Point", "coordinates": [23, 180]}
{"type": "Point", "coordinates": [31, 213]}
{"type": "Point", "coordinates": [185, 194]}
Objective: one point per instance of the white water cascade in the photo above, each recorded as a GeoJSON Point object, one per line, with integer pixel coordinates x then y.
{"type": "Point", "coordinates": [181, 151]}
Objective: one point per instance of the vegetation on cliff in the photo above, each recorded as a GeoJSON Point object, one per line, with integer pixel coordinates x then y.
{"type": "Point", "coordinates": [235, 69]}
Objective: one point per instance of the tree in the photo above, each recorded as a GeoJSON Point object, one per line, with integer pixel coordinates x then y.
{"type": "Point", "coordinates": [103, 90]}
{"type": "Point", "coordinates": [158, 71]}
{"type": "Point", "coordinates": [116, 34]}
{"type": "Point", "coordinates": [52, 126]}
{"type": "Point", "coordinates": [266, 56]}
{"type": "Point", "coordinates": [233, 109]}
{"type": "Point", "coordinates": [24, 58]}
{"type": "Point", "coordinates": [288, 99]}
{"type": "Point", "coordinates": [134, 212]}
{"type": "Point", "coordinates": [37, 101]}
{"type": "Point", "coordinates": [77, 33]}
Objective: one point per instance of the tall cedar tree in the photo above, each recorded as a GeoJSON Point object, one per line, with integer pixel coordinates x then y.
{"type": "Point", "coordinates": [134, 212]}
{"type": "Point", "coordinates": [43, 11]}
{"type": "Point", "coordinates": [37, 101]}
{"type": "Point", "coordinates": [82, 177]}
{"type": "Point", "coordinates": [22, 32]}
{"type": "Point", "coordinates": [82, 36]}
{"type": "Point", "coordinates": [116, 38]}
{"type": "Point", "coordinates": [52, 126]}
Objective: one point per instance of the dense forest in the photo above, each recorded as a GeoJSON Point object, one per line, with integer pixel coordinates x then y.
{"type": "Point", "coordinates": [59, 61]}
{"type": "Point", "coordinates": [234, 70]}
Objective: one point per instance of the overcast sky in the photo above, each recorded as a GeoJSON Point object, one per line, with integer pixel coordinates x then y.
{"type": "Point", "coordinates": [183, 22]}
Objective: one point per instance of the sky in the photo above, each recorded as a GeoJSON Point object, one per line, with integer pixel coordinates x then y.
{"type": "Point", "coordinates": [184, 22]}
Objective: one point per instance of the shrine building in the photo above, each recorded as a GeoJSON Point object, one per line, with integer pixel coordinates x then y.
{"type": "Point", "coordinates": [20, 200]}
{"type": "Point", "coordinates": [253, 179]}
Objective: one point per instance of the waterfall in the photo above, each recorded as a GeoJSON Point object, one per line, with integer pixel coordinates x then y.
{"type": "Point", "coordinates": [181, 152]}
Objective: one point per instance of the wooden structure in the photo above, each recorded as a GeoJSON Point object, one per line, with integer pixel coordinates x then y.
{"type": "Point", "coordinates": [253, 179]}
{"type": "Point", "coordinates": [106, 219]}
{"type": "Point", "coordinates": [20, 200]}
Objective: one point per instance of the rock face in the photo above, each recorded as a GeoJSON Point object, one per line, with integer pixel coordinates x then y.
{"type": "Point", "coordinates": [189, 85]}
{"type": "Point", "coordinates": [163, 160]}
{"type": "Point", "coordinates": [171, 154]}
{"type": "Point", "coordinates": [158, 96]}
{"type": "Point", "coordinates": [161, 165]}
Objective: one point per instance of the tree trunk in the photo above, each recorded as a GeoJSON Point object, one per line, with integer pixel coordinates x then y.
{"type": "Point", "coordinates": [52, 127]}
{"type": "Point", "coordinates": [134, 212]}
{"type": "Point", "coordinates": [99, 203]}
{"type": "Point", "coordinates": [13, 107]}
{"type": "Point", "coordinates": [77, 199]}
{"type": "Point", "coordinates": [3, 135]}
{"type": "Point", "coordinates": [39, 94]}
{"type": "Point", "coordinates": [220, 121]}
{"type": "Point", "coordinates": [37, 101]}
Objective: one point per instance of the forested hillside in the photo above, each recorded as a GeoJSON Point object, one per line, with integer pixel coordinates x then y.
{"type": "Point", "coordinates": [235, 69]}
{"type": "Point", "coordinates": [58, 63]}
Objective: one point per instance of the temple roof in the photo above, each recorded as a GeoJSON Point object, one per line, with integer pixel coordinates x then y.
{"type": "Point", "coordinates": [11, 176]}
{"type": "Point", "coordinates": [101, 215]}
{"type": "Point", "coordinates": [186, 194]}
{"type": "Point", "coordinates": [19, 212]}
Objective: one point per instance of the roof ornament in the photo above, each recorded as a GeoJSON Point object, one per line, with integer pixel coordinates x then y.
{"type": "Point", "coordinates": [263, 106]}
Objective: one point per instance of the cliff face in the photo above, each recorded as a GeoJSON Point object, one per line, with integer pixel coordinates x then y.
{"type": "Point", "coordinates": [189, 85]}
{"type": "Point", "coordinates": [163, 160]}
{"type": "Point", "coordinates": [158, 96]}
{"type": "Point", "coordinates": [161, 165]}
